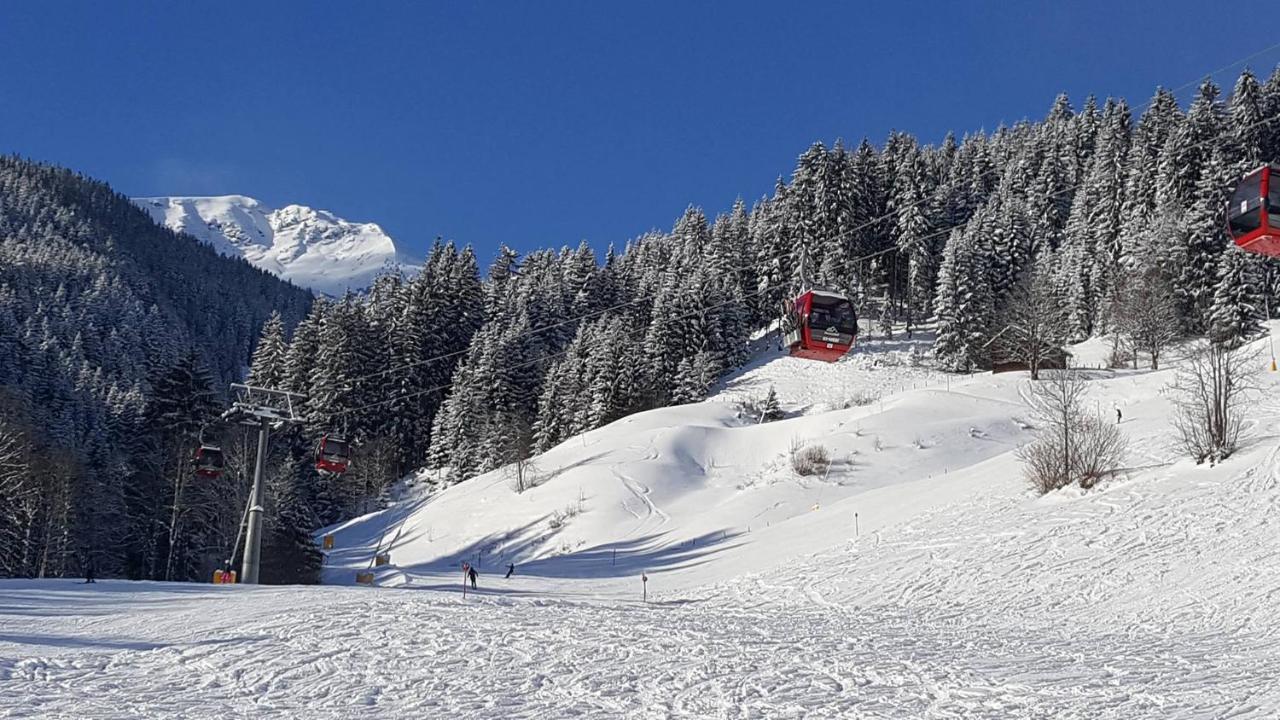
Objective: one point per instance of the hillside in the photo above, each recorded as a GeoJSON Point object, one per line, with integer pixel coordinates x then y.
{"type": "Point", "coordinates": [954, 593]}
{"type": "Point", "coordinates": [311, 248]}
{"type": "Point", "coordinates": [100, 307]}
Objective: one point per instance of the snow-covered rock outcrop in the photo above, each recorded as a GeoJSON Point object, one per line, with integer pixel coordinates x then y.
{"type": "Point", "coordinates": [312, 248]}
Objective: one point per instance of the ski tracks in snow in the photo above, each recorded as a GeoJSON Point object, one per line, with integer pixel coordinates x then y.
{"type": "Point", "coordinates": [650, 517]}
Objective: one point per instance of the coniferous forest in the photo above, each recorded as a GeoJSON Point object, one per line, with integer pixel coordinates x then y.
{"type": "Point", "coordinates": [118, 338]}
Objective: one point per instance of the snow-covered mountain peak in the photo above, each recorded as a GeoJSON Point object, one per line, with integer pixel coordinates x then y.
{"type": "Point", "coordinates": [310, 247]}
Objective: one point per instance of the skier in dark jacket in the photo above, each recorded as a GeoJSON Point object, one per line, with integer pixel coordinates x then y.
{"type": "Point", "coordinates": [511, 568]}
{"type": "Point", "coordinates": [88, 571]}
{"type": "Point", "coordinates": [471, 575]}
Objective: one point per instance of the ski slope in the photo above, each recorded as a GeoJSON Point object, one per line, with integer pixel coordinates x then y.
{"type": "Point", "coordinates": [918, 578]}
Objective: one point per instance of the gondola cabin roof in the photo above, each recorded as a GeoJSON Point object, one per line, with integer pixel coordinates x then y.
{"type": "Point", "coordinates": [833, 295]}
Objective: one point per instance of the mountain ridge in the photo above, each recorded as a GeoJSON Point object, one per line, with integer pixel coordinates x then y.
{"type": "Point", "coordinates": [310, 247]}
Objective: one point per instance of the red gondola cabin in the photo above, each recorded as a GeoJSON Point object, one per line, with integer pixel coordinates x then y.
{"type": "Point", "coordinates": [208, 461]}
{"type": "Point", "coordinates": [1253, 215]}
{"type": "Point", "coordinates": [333, 455]}
{"type": "Point", "coordinates": [820, 325]}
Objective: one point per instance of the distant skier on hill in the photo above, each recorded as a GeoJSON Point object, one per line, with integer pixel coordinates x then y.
{"type": "Point", "coordinates": [511, 568]}
{"type": "Point", "coordinates": [471, 575]}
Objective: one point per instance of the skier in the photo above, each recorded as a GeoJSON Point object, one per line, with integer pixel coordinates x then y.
{"type": "Point", "coordinates": [88, 571]}
{"type": "Point", "coordinates": [471, 575]}
{"type": "Point", "coordinates": [511, 568]}
{"type": "Point", "coordinates": [1118, 415]}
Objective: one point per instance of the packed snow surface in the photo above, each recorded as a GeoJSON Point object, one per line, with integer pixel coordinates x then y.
{"type": "Point", "coordinates": [918, 578]}
{"type": "Point", "coordinates": [312, 248]}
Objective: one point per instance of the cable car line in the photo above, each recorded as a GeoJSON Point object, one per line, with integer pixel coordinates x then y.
{"type": "Point", "coordinates": [1078, 185]}
{"type": "Point", "coordinates": [746, 296]}
{"type": "Point", "coordinates": [1212, 73]}
{"type": "Point", "coordinates": [782, 255]}
{"type": "Point", "coordinates": [869, 223]}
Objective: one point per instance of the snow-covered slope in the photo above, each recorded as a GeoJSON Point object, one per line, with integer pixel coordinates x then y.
{"type": "Point", "coordinates": [919, 578]}
{"type": "Point", "coordinates": [312, 248]}
{"type": "Point", "coordinates": [656, 484]}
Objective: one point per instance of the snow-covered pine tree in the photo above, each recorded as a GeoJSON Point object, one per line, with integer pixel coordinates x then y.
{"type": "Point", "coordinates": [914, 237]}
{"type": "Point", "coordinates": [1248, 135]}
{"type": "Point", "coordinates": [1205, 242]}
{"type": "Point", "coordinates": [1237, 310]}
{"type": "Point", "coordinates": [773, 253]}
{"type": "Point", "coordinates": [808, 222]}
{"type": "Point", "coordinates": [1183, 159]}
{"type": "Point", "coordinates": [1270, 107]}
{"type": "Point", "coordinates": [963, 304]}
{"type": "Point", "coordinates": [183, 403]}
{"type": "Point", "coordinates": [1106, 187]}
{"type": "Point", "coordinates": [267, 369]}
{"type": "Point", "coordinates": [300, 360]}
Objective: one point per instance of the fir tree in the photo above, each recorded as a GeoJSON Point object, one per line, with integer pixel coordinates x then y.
{"type": "Point", "coordinates": [267, 369]}
{"type": "Point", "coordinates": [769, 409]}
{"type": "Point", "coordinates": [963, 305]}
{"type": "Point", "coordinates": [1237, 310]}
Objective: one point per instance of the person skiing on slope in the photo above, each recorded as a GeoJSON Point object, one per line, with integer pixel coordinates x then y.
{"type": "Point", "coordinates": [511, 568]}
{"type": "Point", "coordinates": [1118, 415]}
{"type": "Point", "coordinates": [471, 575]}
{"type": "Point", "coordinates": [88, 571]}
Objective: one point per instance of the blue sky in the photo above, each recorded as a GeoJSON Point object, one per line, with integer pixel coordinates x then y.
{"type": "Point", "coordinates": [543, 123]}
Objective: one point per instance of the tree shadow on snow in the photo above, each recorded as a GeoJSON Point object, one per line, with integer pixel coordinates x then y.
{"type": "Point", "coordinates": [491, 556]}
{"type": "Point", "coordinates": [88, 643]}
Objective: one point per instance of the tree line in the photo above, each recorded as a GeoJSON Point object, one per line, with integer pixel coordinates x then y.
{"type": "Point", "coordinates": [1014, 241]}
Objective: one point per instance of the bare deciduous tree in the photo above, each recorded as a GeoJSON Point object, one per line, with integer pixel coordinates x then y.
{"type": "Point", "coordinates": [1211, 394]}
{"type": "Point", "coordinates": [375, 465]}
{"type": "Point", "coordinates": [1031, 327]}
{"type": "Point", "coordinates": [1073, 447]}
{"type": "Point", "coordinates": [1145, 313]}
{"type": "Point", "coordinates": [515, 453]}
{"type": "Point", "coordinates": [19, 498]}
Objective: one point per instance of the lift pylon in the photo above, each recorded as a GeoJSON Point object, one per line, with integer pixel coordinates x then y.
{"type": "Point", "coordinates": [265, 409]}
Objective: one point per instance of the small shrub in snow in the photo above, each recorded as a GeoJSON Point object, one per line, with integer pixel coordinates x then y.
{"type": "Point", "coordinates": [809, 460]}
{"type": "Point", "coordinates": [1093, 451]}
{"type": "Point", "coordinates": [860, 398]}
{"type": "Point", "coordinates": [1072, 447]}
{"type": "Point", "coordinates": [559, 518]}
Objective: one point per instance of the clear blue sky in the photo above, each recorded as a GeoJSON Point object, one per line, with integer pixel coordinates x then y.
{"type": "Point", "coordinates": [542, 123]}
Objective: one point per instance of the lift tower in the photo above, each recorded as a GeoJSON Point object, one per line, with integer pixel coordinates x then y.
{"type": "Point", "coordinates": [266, 410]}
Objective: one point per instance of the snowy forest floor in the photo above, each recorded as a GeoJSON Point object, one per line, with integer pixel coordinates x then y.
{"type": "Point", "coordinates": [953, 592]}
